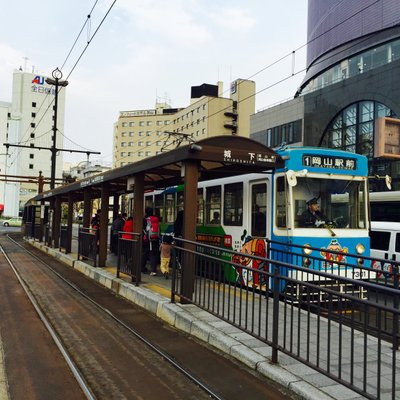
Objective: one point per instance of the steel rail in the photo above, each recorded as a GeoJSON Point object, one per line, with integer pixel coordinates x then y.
{"type": "Point", "coordinates": [72, 366]}
{"type": "Point", "coordinates": [152, 346]}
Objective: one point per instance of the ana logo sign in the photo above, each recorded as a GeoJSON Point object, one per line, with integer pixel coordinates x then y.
{"type": "Point", "coordinates": [38, 80]}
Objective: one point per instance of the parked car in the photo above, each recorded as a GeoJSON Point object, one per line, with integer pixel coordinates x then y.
{"type": "Point", "coordinates": [385, 244]}
{"type": "Point", "coordinates": [13, 222]}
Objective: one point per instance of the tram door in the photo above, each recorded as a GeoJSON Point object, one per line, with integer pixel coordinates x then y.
{"type": "Point", "coordinates": [258, 207]}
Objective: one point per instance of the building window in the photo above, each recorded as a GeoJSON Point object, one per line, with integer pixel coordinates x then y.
{"type": "Point", "coordinates": [33, 124]}
{"type": "Point", "coordinates": [148, 133]}
{"type": "Point", "coordinates": [149, 123]}
{"type": "Point", "coordinates": [130, 144]}
{"type": "Point", "coordinates": [141, 133]}
{"type": "Point", "coordinates": [123, 134]}
{"type": "Point", "coordinates": [32, 135]}
{"type": "Point", "coordinates": [159, 123]}
{"type": "Point", "coordinates": [140, 144]}
{"type": "Point", "coordinates": [140, 154]}
{"type": "Point", "coordinates": [123, 144]}
{"type": "Point", "coordinates": [131, 124]}
{"type": "Point", "coordinates": [30, 166]}
{"type": "Point", "coordinates": [123, 154]}
{"type": "Point", "coordinates": [358, 63]}
{"type": "Point", "coordinates": [148, 143]}
{"type": "Point", "coordinates": [131, 134]}
{"type": "Point", "coordinates": [31, 156]}
{"type": "Point", "coordinates": [287, 133]}
{"type": "Point", "coordinates": [353, 128]}
{"type": "Point", "coordinates": [124, 124]}
{"type": "Point", "coordinates": [141, 123]}
{"type": "Point", "coordinates": [33, 115]}
{"type": "Point", "coordinates": [33, 104]}
{"type": "Point", "coordinates": [148, 153]}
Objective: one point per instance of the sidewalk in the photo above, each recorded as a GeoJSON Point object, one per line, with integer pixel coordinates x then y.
{"type": "Point", "coordinates": [153, 294]}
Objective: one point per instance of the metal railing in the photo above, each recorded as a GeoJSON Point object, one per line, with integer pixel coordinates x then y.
{"type": "Point", "coordinates": [347, 329]}
{"type": "Point", "coordinates": [128, 255]}
{"type": "Point", "coordinates": [88, 239]}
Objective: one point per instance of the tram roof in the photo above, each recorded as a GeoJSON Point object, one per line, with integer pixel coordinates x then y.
{"type": "Point", "coordinates": [218, 157]}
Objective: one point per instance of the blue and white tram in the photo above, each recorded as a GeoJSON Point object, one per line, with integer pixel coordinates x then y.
{"type": "Point", "coordinates": [241, 212]}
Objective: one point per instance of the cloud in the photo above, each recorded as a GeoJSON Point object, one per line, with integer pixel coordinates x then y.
{"type": "Point", "coordinates": [176, 20]}
{"type": "Point", "coordinates": [10, 59]}
{"type": "Point", "coordinates": [237, 19]}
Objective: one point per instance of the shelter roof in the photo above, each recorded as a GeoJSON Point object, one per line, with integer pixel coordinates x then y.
{"type": "Point", "coordinates": [217, 157]}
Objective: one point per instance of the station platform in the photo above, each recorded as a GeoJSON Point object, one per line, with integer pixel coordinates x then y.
{"type": "Point", "coordinates": [154, 293]}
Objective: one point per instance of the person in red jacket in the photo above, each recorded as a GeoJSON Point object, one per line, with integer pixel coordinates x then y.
{"type": "Point", "coordinates": [128, 227]}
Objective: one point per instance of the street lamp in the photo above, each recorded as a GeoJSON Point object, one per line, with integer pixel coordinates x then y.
{"type": "Point", "coordinates": [56, 81]}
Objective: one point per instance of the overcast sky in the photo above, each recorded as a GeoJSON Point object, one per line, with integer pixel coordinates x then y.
{"type": "Point", "coordinates": [150, 49]}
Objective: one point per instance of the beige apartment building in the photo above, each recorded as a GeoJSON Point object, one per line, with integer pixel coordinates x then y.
{"type": "Point", "coordinates": [139, 134]}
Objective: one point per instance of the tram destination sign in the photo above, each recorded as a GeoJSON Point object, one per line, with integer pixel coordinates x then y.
{"type": "Point", "coordinates": [329, 162]}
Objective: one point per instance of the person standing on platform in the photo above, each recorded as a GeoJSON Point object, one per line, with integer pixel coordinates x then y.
{"type": "Point", "coordinates": [117, 226]}
{"type": "Point", "coordinates": [128, 228]}
{"type": "Point", "coordinates": [165, 252]}
{"type": "Point", "coordinates": [150, 243]}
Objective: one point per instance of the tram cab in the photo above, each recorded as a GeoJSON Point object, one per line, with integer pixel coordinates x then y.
{"type": "Point", "coordinates": [321, 202]}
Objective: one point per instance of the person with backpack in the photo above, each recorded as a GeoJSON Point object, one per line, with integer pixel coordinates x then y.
{"type": "Point", "coordinates": [150, 243]}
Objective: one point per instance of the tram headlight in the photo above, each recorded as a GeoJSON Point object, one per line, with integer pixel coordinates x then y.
{"type": "Point", "coordinates": [307, 249]}
{"type": "Point", "coordinates": [360, 248]}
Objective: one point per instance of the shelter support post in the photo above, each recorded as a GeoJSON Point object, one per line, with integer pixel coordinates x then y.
{"type": "Point", "coordinates": [105, 201]}
{"type": "Point", "coordinates": [57, 222]}
{"type": "Point", "coordinates": [49, 240]}
{"type": "Point", "coordinates": [190, 172]}
{"type": "Point", "coordinates": [115, 206]}
{"type": "Point", "coordinates": [87, 207]}
{"type": "Point", "coordinates": [138, 223]}
{"type": "Point", "coordinates": [69, 222]}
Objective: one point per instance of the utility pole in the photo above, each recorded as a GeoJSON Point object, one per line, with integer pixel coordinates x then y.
{"type": "Point", "coordinates": [57, 82]}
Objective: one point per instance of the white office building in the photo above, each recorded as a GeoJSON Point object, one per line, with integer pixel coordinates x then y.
{"type": "Point", "coordinates": [28, 122]}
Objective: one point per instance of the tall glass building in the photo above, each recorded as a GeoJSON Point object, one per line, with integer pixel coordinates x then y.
{"type": "Point", "coordinates": [352, 79]}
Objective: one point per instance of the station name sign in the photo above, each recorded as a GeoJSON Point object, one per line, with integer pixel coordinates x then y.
{"type": "Point", "coordinates": [92, 180]}
{"type": "Point", "coordinates": [248, 158]}
{"type": "Point", "coordinates": [329, 162]}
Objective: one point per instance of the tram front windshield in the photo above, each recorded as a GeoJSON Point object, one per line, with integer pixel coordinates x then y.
{"type": "Point", "coordinates": [339, 203]}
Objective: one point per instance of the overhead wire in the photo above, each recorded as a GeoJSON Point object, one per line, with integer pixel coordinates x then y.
{"type": "Point", "coordinates": [76, 63]}
{"type": "Point", "coordinates": [269, 66]}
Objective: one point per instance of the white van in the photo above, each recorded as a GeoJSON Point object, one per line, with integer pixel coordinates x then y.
{"type": "Point", "coordinates": [385, 244]}
{"type": "Point", "coordinates": [385, 240]}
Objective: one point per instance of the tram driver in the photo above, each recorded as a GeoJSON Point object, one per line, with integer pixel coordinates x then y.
{"type": "Point", "coordinates": [312, 217]}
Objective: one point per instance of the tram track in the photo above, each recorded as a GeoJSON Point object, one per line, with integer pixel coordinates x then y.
{"type": "Point", "coordinates": [182, 383]}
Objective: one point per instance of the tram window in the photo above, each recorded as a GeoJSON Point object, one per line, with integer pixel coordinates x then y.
{"type": "Point", "coordinates": [397, 244]}
{"type": "Point", "coordinates": [280, 203]}
{"type": "Point", "coordinates": [159, 206]}
{"type": "Point", "coordinates": [148, 202]}
{"type": "Point", "coordinates": [379, 240]}
{"type": "Point", "coordinates": [180, 201]}
{"type": "Point", "coordinates": [233, 204]}
{"type": "Point", "coordinates": [259, 210]}
{"type": "Point", "coordinates": [200, 206]}
{"type": "Point", "coordinates": [213, 204]}
{"type": "Point", "coordinates": [169, 208]}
